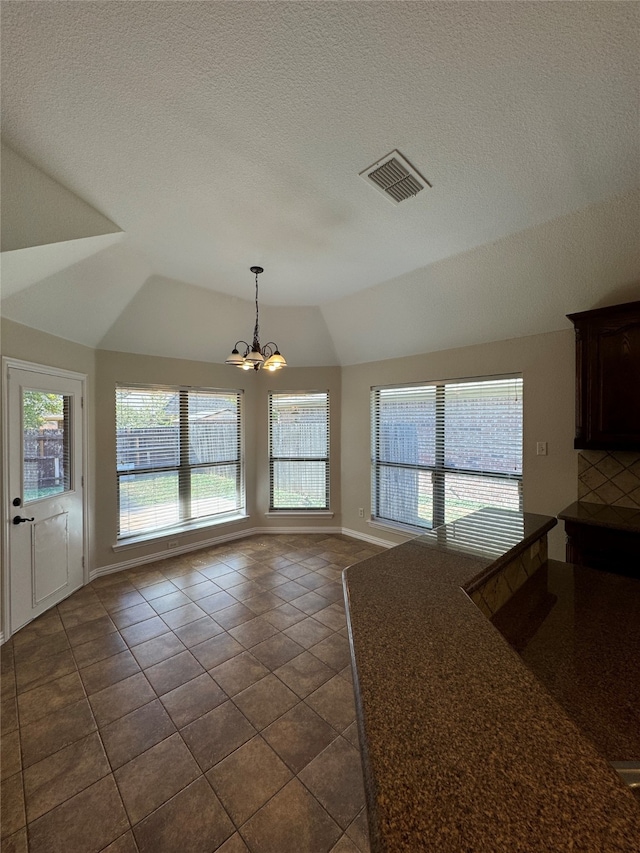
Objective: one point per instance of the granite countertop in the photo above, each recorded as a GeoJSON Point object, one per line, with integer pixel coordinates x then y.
{"type": "Point", "coordinates": [600, 515]}
{"type": "Point", "coordinates": [463, 748]}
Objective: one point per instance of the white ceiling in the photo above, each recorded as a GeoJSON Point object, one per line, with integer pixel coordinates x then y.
{"type": "Point", "coordinates": [218, 135]}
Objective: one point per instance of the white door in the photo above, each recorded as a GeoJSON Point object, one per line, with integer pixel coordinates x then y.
{"type": "Point", "coordinates": [45, 501]}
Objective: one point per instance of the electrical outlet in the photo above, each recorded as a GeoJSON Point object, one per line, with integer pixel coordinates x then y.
{"type": "Point", "coordinates": [361, 512]}
{"type": "Point", "coordinates": [541, 448]}
{"type": "Point", "coordinates": [173, 544]}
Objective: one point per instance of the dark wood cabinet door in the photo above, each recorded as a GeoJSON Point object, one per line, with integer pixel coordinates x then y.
{"type": "Point", "coordinates": [608, 378]}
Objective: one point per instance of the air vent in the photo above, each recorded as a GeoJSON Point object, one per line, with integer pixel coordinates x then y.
{"type": "Point", "coordinates": [395, 178]}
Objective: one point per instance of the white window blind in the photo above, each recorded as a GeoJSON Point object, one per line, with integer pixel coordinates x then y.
{"type": "Point", "coordinates": [179, 456]}
{"type": "Point", "coordinates": [299, 450]}
{"type": "Point", "coordinates": [444, 450]}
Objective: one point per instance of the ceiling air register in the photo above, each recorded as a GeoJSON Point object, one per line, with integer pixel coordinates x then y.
{"type": "Point", "coordinates": [395, 178]}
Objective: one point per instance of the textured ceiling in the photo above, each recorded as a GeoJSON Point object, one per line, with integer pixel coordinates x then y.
{"type": "Point", "coordinates": [217, 135]}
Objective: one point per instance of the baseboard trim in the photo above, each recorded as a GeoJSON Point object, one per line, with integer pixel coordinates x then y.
{"type": "Point", "coordinates": [207, 543]}
{"type": "Point", "coordinates": [366, 537]}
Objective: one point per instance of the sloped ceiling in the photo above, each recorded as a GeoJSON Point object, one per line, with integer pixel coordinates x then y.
{"type": "Point", "coordinates": [220, 135]}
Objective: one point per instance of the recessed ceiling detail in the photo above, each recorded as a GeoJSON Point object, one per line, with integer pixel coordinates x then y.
{"type": "Point", "coordinates": [395, 177]}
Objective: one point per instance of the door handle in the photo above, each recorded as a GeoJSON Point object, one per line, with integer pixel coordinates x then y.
{"type": "Point", "coordinates": [18, 520]}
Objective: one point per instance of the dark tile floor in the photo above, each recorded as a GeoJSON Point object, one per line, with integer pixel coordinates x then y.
{"type": "Point", "coordinates": [202, 703]}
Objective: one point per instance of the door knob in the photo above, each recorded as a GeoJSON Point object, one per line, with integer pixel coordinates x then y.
{"type": "Point", "coordinates": [18, 520]}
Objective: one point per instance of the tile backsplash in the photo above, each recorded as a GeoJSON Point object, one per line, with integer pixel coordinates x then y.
{"type": "Point", "coordinates": [611, 478]}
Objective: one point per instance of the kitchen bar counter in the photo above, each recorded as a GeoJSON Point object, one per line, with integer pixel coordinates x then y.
{"type": "Point", "coordinates": [463, 748]}
{"type": "Point", "coordinates": [600, 515]}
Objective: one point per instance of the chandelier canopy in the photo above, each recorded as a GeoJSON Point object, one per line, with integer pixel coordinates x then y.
{"type": "Point", "coordinates": [256, 356]}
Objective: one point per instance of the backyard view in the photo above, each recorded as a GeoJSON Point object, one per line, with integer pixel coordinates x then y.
{"type": "Point", "coordinates": [45, 445]}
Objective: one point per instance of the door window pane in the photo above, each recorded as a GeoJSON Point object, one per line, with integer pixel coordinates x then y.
{"type": "Point", "coordinates": [46, 433]}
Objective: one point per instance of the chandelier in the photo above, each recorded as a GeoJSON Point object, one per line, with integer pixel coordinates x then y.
{"type": "Point", "coordinates": [254, 355]}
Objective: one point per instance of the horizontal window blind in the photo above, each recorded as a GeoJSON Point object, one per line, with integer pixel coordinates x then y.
{"type": "Point", "coordinates": [299, 450]}
{"type": "Point", "coordinates": [443, 450]}
{"type": "Point", "coordinates": [179, 456]}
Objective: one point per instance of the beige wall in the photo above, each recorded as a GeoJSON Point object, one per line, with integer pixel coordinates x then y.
{"type": "Point", "coordinates": [547, 366]}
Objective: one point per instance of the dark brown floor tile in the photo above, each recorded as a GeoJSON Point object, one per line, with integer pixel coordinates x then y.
{"type": "Point", "coordinates": [64, 774]}
{"type": "Point", "coordinates": [293, 571]}
{"type": "Point", "coordinates": [125, 844]}
{"type": "Point", "coordinates": [335, 703]}
{"type": "Point", "coordinates": [8, 689]}
{"type": "Point", "coordinates": [238, 673]}
{"type": "Point", "coordinates": [133, 615]}
{"type": "Point", "coordinates": [120, 586]}
{"type": "Point", "coordinates": [265, 701]}
{"type": "Point", "coordinates": [218, 733]}
{"type": "Point", "coordinates": [311, 603]}
{"type": "Point", "coordinates": [216, 571]}
{"type": "Point", "coordinates": [55, 731]}
{"type": "Point", "coordinates": [12, 816]}
{"type": "Point", "coordinates": [86, 613]}
{"type": "Point", "coordinates": [35, 673]}
{"type": "Point", "coordinates": [333, 617]}
{"type": "Point", "coordinates": [66, 828]}
{"type": "Point", "coordinates": [119, 699]}
{"type": "Point", "coordinates": [298, 736]}
{"type": "Point", "coordinates": [335, 778]}
{"type": "Point", "coordinates": [308, 632]}
{"type": "Point", "coordinates": [358, 832]}
{"type": "Point", "coordinates": [158, 590]}
{"type": "Point", "coordinates": [255, 572]}
{"type": "Point", "coordinates": [351, 734]}
{"type": "Point", "coordinates": [155, 776]}
{"type": "Point", "coordinates": [290, 590]}
{"type": "Point", "coordinates": [153, 651]}
{"type": "Point", "coordinates": [193, 699]}
{"type": "Point", "coordinates": [44, 700]}
{"type": "Point", "coordinates": [253, 632]}
{"type": "Point", "coordinates": [233, 616]}
{"type": "Point", "coordinates": [230, 580]}
{"type": "Point", "coordinates": [171, 673]}
{"type": "Point", "coordinates": [247, 778]}
{"type": "Point", "coordinates": [122, 601]}
{"type": "Point", "coordinates": [46, 625]}
{"type": "Point", "coordinates": [136, 732]}
{"type": "Point", "coordinates": [218, 601]}
{"type": "Point", "coordinates": [246, 589]}
{"type": "Point", "coordinates": [235, 844]}
{"type": "Point", "coordinates": [145, 578]}
{"type": "Point", "coordinates": [198, 631]}
{"type": "Point", "coordinates": [97, 650]}
{"type": "Point", "coordinates": [304, 674]}
{"type": "Point", "coordinates": [312, 581]}
{"type": "Point", "coordinates": [91, 630]}
{"type": "Point", "coordinates": [345, 845]}
{"type": "Point", "coordinates": [334, 651]}
{"type": "Point", "coordinates": [276, 827]}
{"type": "Point", "coordinates": [192, 821]}
{"type": "Point", "coordinates": [8, 715]}
{"type": "Point", "coordinates": [237, 561]}
{"type": "Point", "coordinates": [284, 616]}
{"type": "Point", "coordinates": [183, 615]}
{"type": "Point", "coordinates": [41, 648]}
{"type": "Point", "coordinates": [203, 589]}
{"type": "Point", "coordinates": [109, 671]}
{"type": "Point", "coordinates": [263, 602]}
{"type": "Point", "coordinates": [140, 632]}
{"type": "Point", "coordinates": [216, 650]}
{"type": "Point", "coordinates": [10, 756]}
{"type": "Point", "coordinates": [276, 651]}
{"type": "Point", "coordinates": [188, 578]}
{"type": "Point", "coordinates": [271, 580]}
{"type": "Point", "coordinates": [16, 843]}
{"type": "Point", "coordinates": [169, 602]}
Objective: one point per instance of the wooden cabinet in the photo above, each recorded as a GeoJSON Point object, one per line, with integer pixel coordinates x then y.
{"type": "Point", "coordinates": [608, 378]}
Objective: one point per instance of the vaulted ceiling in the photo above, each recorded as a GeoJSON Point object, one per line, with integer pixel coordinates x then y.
{"type": "Point", "coordinates": [156, 150]}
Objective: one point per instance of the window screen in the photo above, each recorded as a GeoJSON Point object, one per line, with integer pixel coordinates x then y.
{"type": "Point", "coordinates": [299, 450]}
{"type": "Point", "coordinates": [444, 450]}
{"type": "Point", "coordinates": [179, 456]}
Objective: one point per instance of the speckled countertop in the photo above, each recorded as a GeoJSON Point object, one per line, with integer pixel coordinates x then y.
{"type": "Point", "coordinates": [600, 515]}
{"type": "Point", "coordinates": [463, 748]}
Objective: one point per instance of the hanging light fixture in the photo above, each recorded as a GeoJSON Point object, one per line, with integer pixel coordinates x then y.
{"type": "Point", "coordinates": [254, 355]}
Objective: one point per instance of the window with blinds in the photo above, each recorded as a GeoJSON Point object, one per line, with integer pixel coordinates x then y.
{"type": "Point", "coordinates": [179, 457]}
{"type": "Point", "coordinates": [443, 450]}
{"type": "Point", "coordinates": [299, 450]}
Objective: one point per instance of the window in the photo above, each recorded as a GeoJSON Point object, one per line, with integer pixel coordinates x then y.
{"type": "Point", "coordinates": [299, 451]}
{"type": "Point", "coordinates": [443, 450]}
{"type": "Point", "coordinates": [179, 457]}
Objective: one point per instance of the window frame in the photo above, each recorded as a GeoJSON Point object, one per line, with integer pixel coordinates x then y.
{"type": "Point", "coordinates": [184, 468]}
{"type": "Point", "coordinates": [324, 459]}
{"type": "Point", "coordinates": [439, 470]}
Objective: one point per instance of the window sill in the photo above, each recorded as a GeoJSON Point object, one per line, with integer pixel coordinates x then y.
{"type": "Point", "coordinates": [300, 513]}
{"type": "Point", "coordinates": [179, 530]}
{"type": "Point", "coordinates": [396, 527]}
